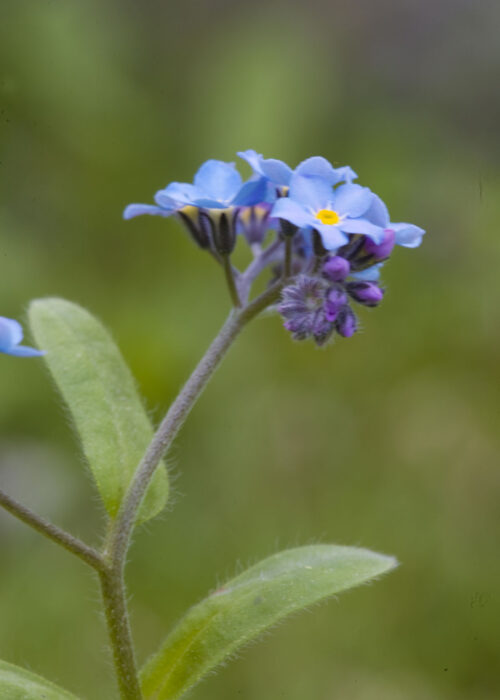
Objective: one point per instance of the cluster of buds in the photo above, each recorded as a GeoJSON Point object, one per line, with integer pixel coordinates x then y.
{"type": "Point", "coordinates": [331, 236]}
{"type": "Point", "coordinates": [317, 305]}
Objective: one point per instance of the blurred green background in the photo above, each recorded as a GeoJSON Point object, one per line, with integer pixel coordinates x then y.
{"type": "Point", "coordinates": [388, 440]}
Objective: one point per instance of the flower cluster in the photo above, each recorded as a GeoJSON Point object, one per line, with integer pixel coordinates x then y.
{"type": "Point", "coordinates": [331, 234]}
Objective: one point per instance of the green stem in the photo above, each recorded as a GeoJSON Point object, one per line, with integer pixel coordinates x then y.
{"type": "Point", "coordinates": [52, 532]}
{"type": "Point", "coordinates": [287, 266]}
{"type": "Point", "coordinates": [117, 619]}
{"type": "Point", "coordinates": [228, 270]}
{"type": "Point", "coordinates": [112, 580]}
{"type": "Point", "coordinates": [177, 414]}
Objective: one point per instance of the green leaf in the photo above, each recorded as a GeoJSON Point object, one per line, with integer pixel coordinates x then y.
{"type": "Point", "coordinates": [251, 603]}
{"type": "Point", "coordinates": [100, 392]}
{"type": "Point", "coordinates": [18, 684]}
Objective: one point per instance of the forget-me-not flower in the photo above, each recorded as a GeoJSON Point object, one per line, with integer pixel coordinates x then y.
{"type": "Point", "coordinates": [11, 334]}
{"type": "Point", "coordinates": [333, 213]}
{"type": "Point", "coordinates": [216, 185]}
{"type": "Point", "coordinates": [209, 207]}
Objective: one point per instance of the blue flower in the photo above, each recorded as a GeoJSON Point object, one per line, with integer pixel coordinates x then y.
{"type": "Point", "coordinates": [11, 334]}
{"type": "Point", "coordinates": [334, 213]}
{"type": "Point", "coordinates": [216, 185]}
{"type": "Point", "coordinates": [280, 174]}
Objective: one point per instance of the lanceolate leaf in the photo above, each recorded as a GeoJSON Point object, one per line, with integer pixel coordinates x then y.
{"type": "Point", "coordinates": [99, 390]}
{"type": "Point", "coordinates": [251, 603]}
{"type": "Point", "coordinates": [18, 684]}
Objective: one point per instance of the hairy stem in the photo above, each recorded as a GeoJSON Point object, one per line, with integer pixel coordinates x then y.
{"type": "Point", "coordinates": [117, 619]}
{"type": "Point", "coordinates": [64, 539]}
{"type": "Point", "coordinates": [176, 416]}
{"type": "Point", "coordinates": [271, 254]}
{"type": "Point", "coordinates": [117, 543]}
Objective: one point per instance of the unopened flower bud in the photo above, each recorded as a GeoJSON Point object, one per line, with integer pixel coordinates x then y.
{"type": "Point", "coordinates": [224, 230]}
{"type": "Point", "coordinates": [347, 323]}
{"type": "Point", "coordinates": [302, 308]}
{"type": "Point", "coordinates": [335, 300]}
{"type": "Point", "coordinates": [336, 268]}
{"type": "Point", "coordinates": [322, 328]}
{"type": "Point", "coordinates": [380, 251]}
{"type": "Point", "coordinates": [367, 293]}
{"type": "Point", "coordinates": [198, 224]}
{"type": "Point", "coordinates": [253, 222]}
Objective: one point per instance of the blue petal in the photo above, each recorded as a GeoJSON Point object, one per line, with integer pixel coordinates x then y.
{"type": "Point", "coordinates": [352, 200]}
{"type": "Point", "coordinates": [408, 235]}
{"type": "Point", "coordinates": [253, 192]}
{"type": "Point", "coordinates": [377, 213]}
{"type": "Point", "coordinates": [311, 192]}
{"type": "Point", "coordinates": [11, 333]}
{"type": "Point", "coordinates": [376, 233]}
{"type": "Point", "coordinates": [318, 167]}
{"type": "Point", "coordinates": [371, 274]}
{"type": "Point", "coordinates": [220, 181]}
{"type": "Point", "coordinates": [253, 159]}
{"type": "Point", "coordinates": [24, 351]}
{"type": "Point", "coordinates": [346, 174]}
{"type": "Point", "coordinates": [275, 170]}
{"type": "Point", "coordinates": [139, 209]}
{"type": "Point", "coordinates": [331, 236]}
{"type": "Point", "coordinates": [293, 212]}
{"type": "Point", "coordinates": [179, 192]}
{"type": "Point", "coordinates": [182, 194]}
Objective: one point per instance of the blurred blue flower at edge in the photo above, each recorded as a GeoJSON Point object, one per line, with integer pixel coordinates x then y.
{"type": "Point", "coordinates": [11, 334]}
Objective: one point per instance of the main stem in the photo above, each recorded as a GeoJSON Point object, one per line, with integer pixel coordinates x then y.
{"type": "Point", "coordinates": [117, 543]}
{"type": "Point", "coordinates": [117, 619]}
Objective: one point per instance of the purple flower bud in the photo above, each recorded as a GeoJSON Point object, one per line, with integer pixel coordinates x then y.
{"type": "Point", "coordinates": [347, 323]}
{"type": "Point", "coordinates": [335, 300]}
{"type": "Point", "coordinates": [302, 308]}
{"type": "Point", "coordinates": [322, 328]}
{"type": "Point", "coordinates": [382, 250]}
{"type": "Point", "coordinates": [300, 328]}
{"type": "Point", "coordinates": [367, 293]}
{"type": "Point", "coordinates": [336, 268]}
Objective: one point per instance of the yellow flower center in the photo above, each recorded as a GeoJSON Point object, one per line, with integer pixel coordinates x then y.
{"type": "Point", "coordinates": [328, 216]}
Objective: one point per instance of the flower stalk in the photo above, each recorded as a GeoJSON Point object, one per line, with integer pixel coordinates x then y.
{"type": "Point", "coordinates": [231, 283]}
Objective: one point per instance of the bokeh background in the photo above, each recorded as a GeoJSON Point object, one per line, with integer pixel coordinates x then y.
{"type": "Point", "coordinates": [388, 440]}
